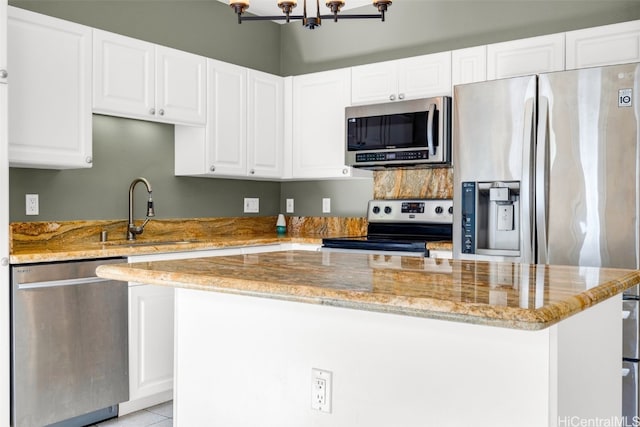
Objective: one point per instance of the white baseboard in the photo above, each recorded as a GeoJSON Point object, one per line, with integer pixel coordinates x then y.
{"type": "Point", "coordinates": [145, 402]}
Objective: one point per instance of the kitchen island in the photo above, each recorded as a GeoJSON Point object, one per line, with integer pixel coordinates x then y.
{"type": "Point", "coordinates": [409, 341]}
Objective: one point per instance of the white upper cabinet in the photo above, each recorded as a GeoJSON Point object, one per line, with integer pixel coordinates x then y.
{"type": "Point", "coordinates": [136, 79]}
{"type": "Point", "coordinates": [180, 86]}
{"type": "Point", "coordinates": [243, 137]}
{"type": "Point", "coordinates": [265, 123]}
{"type": "Point", "coordinates": [606, 45]}
{"type": "Point", "coordinates": [318, 125]}
{"type": "Point", "coordinates": [410, 78]}
{"type": "Point", "coordinates": [4, 71]}
{"type": "Point", "coordinates": [50, 92]}
{"type": "Point", "coordinates": [226, 147]}
{"type": "Point", "coordinates": [124, 76]}
{"type": "Point", "coordinates": [469, 65]}
{"type": "Point", "coordinates": [374, 82]}
{"type": "Point", "coordinates": [527, 56]}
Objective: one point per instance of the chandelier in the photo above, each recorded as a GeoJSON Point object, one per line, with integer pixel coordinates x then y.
{"type": "Point", "coordinates": [311, 22]}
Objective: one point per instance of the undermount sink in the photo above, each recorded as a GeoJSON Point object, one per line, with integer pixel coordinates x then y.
{"type": "Point", "coordinates": [135, 244]}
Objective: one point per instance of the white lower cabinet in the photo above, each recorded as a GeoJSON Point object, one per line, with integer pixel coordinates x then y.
{"type": "Point", "coordinates": [151, 327]}
{"type": "Point", "coordinates": [150, 344]}
{"type": "Point", "coordinates": [151, 335]}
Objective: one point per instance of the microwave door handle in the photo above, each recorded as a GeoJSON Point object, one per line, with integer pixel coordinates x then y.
{"type": "Point", "coordinates": [431, 147]}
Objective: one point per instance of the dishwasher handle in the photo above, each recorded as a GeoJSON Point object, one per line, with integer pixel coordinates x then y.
{"type": "Point", "coordinates": [64, 282]}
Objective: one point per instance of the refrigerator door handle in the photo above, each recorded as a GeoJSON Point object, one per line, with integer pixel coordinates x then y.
{"type": "Point", "coordinates": [528, 204]}
{"type": "Point", "coordinates": [431, 147]}
{"type": "Point", "coordinates": [541, 179]}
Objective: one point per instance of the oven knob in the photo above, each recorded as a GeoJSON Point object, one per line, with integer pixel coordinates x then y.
{"type": "Point", "coordinates": [438, 209]}
{"type": "Point", "coordinates": [376, 209]}
{"type": "Point", "coordinates": [387, 209]}
{"type": "Point", "coordinates": [451, 210]}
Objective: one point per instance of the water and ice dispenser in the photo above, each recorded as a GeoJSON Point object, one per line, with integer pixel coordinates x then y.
{"type": "Point", "coordinates": [491, 218]}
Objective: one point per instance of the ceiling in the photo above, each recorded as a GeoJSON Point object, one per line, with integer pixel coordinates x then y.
{"type": "Point", "coordinates": [270, 7]}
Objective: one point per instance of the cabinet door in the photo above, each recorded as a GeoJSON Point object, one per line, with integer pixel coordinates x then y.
{"type": "Point", "coordinates": [3, 42]}
{"type": "Point", "coordinates": [4, 229]}
{"type": "Point", "coordinates": [265, 125]}
{"type": "Point", "coordinates": [374, 83]}
{"type": "Point", "coordinates": [124, 79]}
{"type": "Point", "coordinates": [424, 76]}
{"type": "Point", "coordinates": [150, 339]}
{"type": "Point", "coordinates": [227, 119]}
{"type": "Point", "coordinates": [606, 45]}
{"type": "Point", "coordinates": [319, 100]}
{"type": "Point", "coordinates": [50, 92]}
{"type": "Point", "coordinates": [527, 56]}
{"type": "Point", "coordinates": [469, 65]}
{"type": "Point", "coordinates": [180, 86]}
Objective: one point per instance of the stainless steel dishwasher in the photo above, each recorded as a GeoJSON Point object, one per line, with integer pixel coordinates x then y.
{"type": "Point", "coordinates": [69, 344]}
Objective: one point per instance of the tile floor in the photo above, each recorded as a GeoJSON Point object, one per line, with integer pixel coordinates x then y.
{"type": "Point", "coordinates": [156, 416]}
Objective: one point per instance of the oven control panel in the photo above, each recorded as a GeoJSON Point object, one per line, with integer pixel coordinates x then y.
{"type": "Point", "coordinates": [411, 210]}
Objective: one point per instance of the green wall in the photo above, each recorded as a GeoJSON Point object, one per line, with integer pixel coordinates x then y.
{"type": "Point", "coordinates": [204, 27]}
{"type": "Point", "coordinates": [421, 27]}
{"type": "Point", "coordinates": [124, 149]}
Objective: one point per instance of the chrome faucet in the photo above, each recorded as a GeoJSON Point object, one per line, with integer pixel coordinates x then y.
{"type": "Point", "coordinates": [132, 230]}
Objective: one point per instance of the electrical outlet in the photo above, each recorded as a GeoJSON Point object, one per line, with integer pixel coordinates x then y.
{"type": "Point", "coordinates": [251, 205]}
{"type": "Point", "coordinates": [326, 205]}
{"type": "Point", "coordinates": [321, 390]}
{"type": "Point", "coordinates": [32, 204]}
{"type": "Point", "coordinates": [289, 205]}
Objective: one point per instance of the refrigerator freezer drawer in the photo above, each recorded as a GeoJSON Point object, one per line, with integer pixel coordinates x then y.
{"type": "Point", "coordinates": [630, 328]}
{"type": "Point", "coordinates": [629, 389]}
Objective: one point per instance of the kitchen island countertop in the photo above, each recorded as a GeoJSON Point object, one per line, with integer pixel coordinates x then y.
{"type": "Point", "coordinates": [519, 296]}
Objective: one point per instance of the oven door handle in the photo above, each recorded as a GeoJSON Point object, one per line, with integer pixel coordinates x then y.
{"type": "Point", "coordinates": [431, 145]}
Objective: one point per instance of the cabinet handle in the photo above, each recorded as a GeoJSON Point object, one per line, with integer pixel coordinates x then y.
{"type": "Point", "coordinates": [401, 96]}
{"type": "Point", "coordinates": [3, 74]}
{"type": "Point", "coordinates": [345, 171]}
{"type": "Point", "coordinates": [152, 111]}
{"type": "Point", "coordinates": [161, 112]}
{"type": "Point", "coordinates": [212, 168]}
{"type": "Point", "coordinates": [252, 171]}
{"type": "Point", "coordinates": [4, 262]}
{"type": "Point", "coordinates": [89, 159]}
{"type": "Point", "coordinates": [392, 97]}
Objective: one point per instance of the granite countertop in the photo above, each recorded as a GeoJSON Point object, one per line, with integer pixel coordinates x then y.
{"type": "Point", "coordinates": [43, 251]}
{"type": "Point", "coordinates": [518, 296]}
{"type": "Point", "coordinates": [74, 240]}
{"type": "Point", "coordinates": [46, 251]}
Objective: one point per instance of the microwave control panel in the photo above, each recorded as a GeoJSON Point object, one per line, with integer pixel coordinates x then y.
{"type": "Point", "coordinates": [392, 155]}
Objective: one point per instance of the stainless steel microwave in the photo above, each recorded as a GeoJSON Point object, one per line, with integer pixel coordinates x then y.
{"type": "Point", "coordinates": [415, 132]}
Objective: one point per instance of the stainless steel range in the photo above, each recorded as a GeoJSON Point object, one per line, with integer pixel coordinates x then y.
{"type": "Point", "coordinates": [403, 227]}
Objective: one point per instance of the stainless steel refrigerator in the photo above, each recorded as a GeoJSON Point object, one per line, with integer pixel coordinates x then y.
{"type": "Point", "coordinates": [546, 170]}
